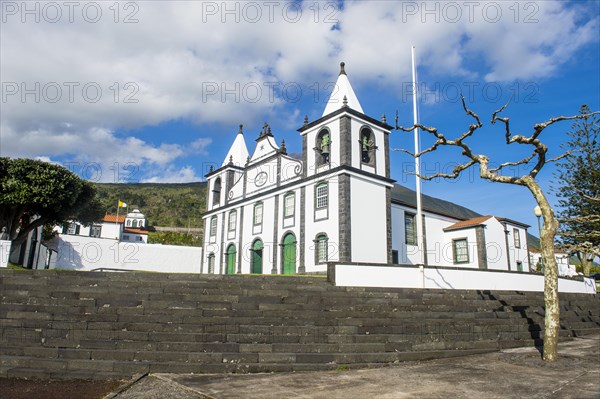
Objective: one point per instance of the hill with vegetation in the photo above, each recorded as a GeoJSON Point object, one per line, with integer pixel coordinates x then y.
{"type": "Point", "coordinates": [163, 204]}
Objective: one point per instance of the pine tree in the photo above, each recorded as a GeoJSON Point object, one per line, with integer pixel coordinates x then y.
{"type": "Point", "coordinates": [578, 190]}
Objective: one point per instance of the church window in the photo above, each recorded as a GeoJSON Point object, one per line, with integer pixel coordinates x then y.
{"type": "Point", "coordinates": [321, 246]}
{"type": "Point", "coordinates": [323, 147]}
{"type": "Point", "coordinates": [517, 238]}
{"type": "Point", "coordinates": [410, 229]}
{"type": "Point", "coordinates": [213, 226]}
{"type": "Point", "coordinates": [258, 213]}
{"type": "Point", "coordinates": [289, 205]}
{"type": "Point", "coordinates": [217, 192]}
{"type": "Point", "coordinates": [321, 196]}
{"type": "Point", "coordinates": [367, 146]}
{"type": "Point", "coordinates": [134, 223]}
{"type": "Point", "coordinates": [128, 223]}
{"type": "Point", "coordinates": [232, 220]}
{"type": "Point", "coordinates": [461, 250]}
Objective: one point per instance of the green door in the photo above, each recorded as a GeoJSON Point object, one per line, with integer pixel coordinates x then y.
{"type": "Point", "coordinates": [257, 253]}
{"type": "Point", "coordinates": [289, 254]}
{"type": "Point", "coordinates": [231, 259]}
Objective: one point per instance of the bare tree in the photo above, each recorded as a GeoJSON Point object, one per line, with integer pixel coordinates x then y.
{"type": "Point", "coordinates": [486, 171]}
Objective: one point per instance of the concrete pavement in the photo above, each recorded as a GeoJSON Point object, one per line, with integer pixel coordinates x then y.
{"type": "Point", "coordinates": [512, 373]}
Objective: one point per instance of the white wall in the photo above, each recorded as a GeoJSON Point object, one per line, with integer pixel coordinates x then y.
{"type": "Point", "coordinates": [439, 246]}
{"type": "Point", "coordinates": [4, 252]}
{"type": "Point", "coordinates": [88, 253]}
{"type": "Point", "coordinates": [562, 261]}
{"type": "Point", "coordinates": [369, 233]}
{"type": "Point", "coordinates": [411, 277]}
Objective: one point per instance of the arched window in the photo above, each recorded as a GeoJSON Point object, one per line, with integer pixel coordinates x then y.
{"type": "Point", "coordinates": [141, 223]}
{"type": "Point", "coordinates": [321, 243]}
{"type": "Point", "coordinates": [321, 195]}
{"type": "Point", "coordinates": [128, 224]}
{"type": "Point", "coordinates": [323, 147]}
{"type": "Point", "coordinates": [367, 146]}
{"type": "Point", "coordinates": [217, 192]}
{"type": "Point", "coordinates": [134, 223]}
{"type": "Point", "coordinates": [289, 205]}
{"type": "Point", "coordinates": [211, 263]}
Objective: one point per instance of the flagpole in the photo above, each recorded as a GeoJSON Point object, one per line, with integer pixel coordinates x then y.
{"type": "Point", "coordinates": [419, 217]}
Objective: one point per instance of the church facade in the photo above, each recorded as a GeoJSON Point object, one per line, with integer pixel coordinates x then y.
{"type": "Point", "coordinates": [271, 213]}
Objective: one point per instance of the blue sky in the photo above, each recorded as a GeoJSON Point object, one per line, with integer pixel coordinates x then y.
{"type": "Point", "coordinates": [154, 91]}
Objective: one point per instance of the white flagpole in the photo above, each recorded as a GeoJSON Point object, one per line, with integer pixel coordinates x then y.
{"type": "Point", "coordinates": [419, 217]}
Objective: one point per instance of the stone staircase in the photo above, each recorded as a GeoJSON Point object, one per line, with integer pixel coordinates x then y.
{"type": "Point", "coordinates": [59, 324]}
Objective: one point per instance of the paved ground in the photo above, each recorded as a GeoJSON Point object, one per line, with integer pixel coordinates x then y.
{"type": "Point", "coordinates": [515, 373]}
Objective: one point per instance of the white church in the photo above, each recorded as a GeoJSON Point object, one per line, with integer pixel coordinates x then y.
{"type": "Point", "coordinates": [270, 213]}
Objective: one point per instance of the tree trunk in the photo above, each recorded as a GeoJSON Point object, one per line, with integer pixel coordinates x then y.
{"type": "Point", "coordinates": [586, 264]}
{"type": "Point", "coordinates": [549, 228]}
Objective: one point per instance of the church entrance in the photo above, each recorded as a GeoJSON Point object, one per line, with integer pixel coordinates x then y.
{"type": "Point", "coordinates": [289, 254]}
{"type": "Point", "coordinates": [231, 259]}
{"type": "Point", "coordinates": [257, 257]}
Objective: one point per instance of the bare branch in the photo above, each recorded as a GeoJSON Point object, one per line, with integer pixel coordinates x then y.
{"type": "Point", "coordinates": [412, 154]}
{"type": "Point", "coordinates": [559, 157]}
{"type": "Point", "coordinates": [539, 127]}
{"type": "Point", "coordinates": [503, 120]}
{"type": "Point", "coordinates": [521, 162]}
{"type": "Point", "coordinates": [455, 172]}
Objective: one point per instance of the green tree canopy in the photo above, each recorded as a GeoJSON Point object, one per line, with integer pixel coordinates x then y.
{"type": "Point", "coordinates": [578, 190]}
{"type": "Point", "coordinates": [34, 193]}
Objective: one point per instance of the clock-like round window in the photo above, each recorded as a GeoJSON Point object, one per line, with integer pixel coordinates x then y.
{"type": "Point", "coordinates": [260, 179]}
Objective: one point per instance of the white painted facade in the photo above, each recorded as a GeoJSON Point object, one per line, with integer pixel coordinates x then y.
{"type": "Point", "coordinates": [343, 200]}
{"type": "Point", "coordinates": [317, 203]}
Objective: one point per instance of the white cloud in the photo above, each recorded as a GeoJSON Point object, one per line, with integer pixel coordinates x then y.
{"type": "Point", "coordinates": [199, 146]}
{"type": "Point", "coordinates": [172, 175]}
{"type": "Point", "coordinates": [186, 60]}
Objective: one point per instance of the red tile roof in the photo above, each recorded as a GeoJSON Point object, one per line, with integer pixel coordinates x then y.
{"type": "Point", "coordinates": [113, 218]}
{"type": "Point", "coordinates": [468, 223]}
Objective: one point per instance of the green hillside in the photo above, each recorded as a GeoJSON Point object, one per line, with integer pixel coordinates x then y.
{"type": "Point", "coordinates": [164, 204]}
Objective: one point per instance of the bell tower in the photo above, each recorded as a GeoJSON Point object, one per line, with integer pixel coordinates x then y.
{"type": "Point", "coordinates": [345, 135]}
{"type": "Point", "coordinates": [346, 154]}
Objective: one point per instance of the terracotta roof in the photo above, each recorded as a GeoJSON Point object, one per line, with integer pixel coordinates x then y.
{"type": "Point", "coordinates": [135, 231]}
{"type": "Point", "coordinates": [477, 221]}
{"type": "Point", "coordinates": [511, 221]}
{"type": "Point", "coordinates": [113, 219]}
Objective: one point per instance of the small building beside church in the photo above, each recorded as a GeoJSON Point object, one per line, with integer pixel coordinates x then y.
{"type": "Point", "coordinates": [130, 227]}
{"type": "Point", "coordinates": [271, 213]}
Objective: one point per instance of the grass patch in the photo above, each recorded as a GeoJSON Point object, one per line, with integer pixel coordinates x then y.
{"type": "Point", "coordinates": [12, 266]}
